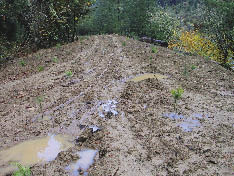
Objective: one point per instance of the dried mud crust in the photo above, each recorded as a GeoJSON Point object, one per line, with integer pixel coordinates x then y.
{"type": "Point", "coordinates": [137, 141]}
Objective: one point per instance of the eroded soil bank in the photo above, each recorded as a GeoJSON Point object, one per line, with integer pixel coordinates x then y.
{"type": "Point", "coordinates": [84, 90]}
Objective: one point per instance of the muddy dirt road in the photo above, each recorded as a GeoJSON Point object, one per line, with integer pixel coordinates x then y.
{"type": "Point", "coordinates": [102, 106]}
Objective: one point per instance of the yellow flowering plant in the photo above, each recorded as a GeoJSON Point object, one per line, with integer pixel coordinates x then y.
{"type": "Point", "coordinates": [197, 43]}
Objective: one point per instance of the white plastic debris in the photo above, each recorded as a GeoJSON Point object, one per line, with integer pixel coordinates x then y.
{"type": "Point", "coordinates": [108, 107]}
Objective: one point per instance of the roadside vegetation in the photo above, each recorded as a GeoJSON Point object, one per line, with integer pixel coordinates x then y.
{"type": "Point", "coordinates": [22, 170]}
{"type": "Point", "coordinates": [198, 27]}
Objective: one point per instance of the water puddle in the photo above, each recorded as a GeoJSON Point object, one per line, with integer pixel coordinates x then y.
{"type": "Point", "coordinates": [33, 151]}
{"type": "Point", "coordinates": [94, 128]}
{"type": "Point", "coordinates": [83, 164]}
{"type": "Point", "coordinates": [107, 108]}
{"type": "Point", "coordinates": [186, 123]}
{"type": "Point", "coordinates": [147, 76]}
{"type": "Point", "coordinates": [189, 124]}
{"type": "Point", "coordinates": [173, 116]}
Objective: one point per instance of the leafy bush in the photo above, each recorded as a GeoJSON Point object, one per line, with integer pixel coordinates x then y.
{"type": "Point", "coordinates": [196, 43]}
{"type": "Point", "coordinates": [42, 23]}
{"type": "Point", "coordinates": [127, 17]}
{"type": "Point", "coordinates": [162, 25]}
{"type": "Point", "coordinates": [218, 23]}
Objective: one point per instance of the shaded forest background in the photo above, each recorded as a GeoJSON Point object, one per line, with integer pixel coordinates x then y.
{"type": "Point", "coordinates": [201, 27]}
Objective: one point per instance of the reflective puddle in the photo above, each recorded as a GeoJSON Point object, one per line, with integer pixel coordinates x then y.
{"type": "Point", "coordinates": [186, 123]}
{"type": "Point", "coordinates": [189, 124]}
{"type": "Point", "coordinates": [147, 76]}
{"type": "Point", "coordinates": [94, 128]}
{"type": "Point", "coordinates": [83, 164]}
{"type": "Point", "coordinates": [173, 116]}
{"type": "Point", "coordinates": [33, 151]}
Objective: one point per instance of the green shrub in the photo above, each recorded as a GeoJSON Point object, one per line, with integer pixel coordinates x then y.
{"type": "Point", "coordinates": [154, 50]}
{"type": "Point", "coordinates": [162, 25]}
{"type": "Point", "coordinates": [22, 63]}
{"type": "Point", "coordinates": [22, 170]}
{"type": "Point", "coordinates": [177, 94]}
{"type": "Point", "coordinates": [69, 73]}
{"type": "Point", "coordinates": [218, 24]}
{"type": "Point", "coordinates": [40, 68]}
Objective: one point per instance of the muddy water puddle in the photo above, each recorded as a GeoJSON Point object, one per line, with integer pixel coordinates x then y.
{"type": "Point", "coordinates": [145, 76]}
{"type": "Point", "coordinates": [33, 151]}
{"type": "Point", "coordinates": [83, 164]}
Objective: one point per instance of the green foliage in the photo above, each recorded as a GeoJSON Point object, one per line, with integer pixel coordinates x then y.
{"type": "Point", "coordinates": [22, 170]}
{"type": "Point", "coordinates": [185, 72]}
{"type": "Point", "coordinates": [177, 94]}
{"type": "Point", "coordinates": [22, 63]}
{"type": "Point", "coordinates": [218, 23]}
{"type": "Point", "coordinates": [193, 67]}
{"type": "Point", "coordinates": [135, 16]}
{"type": "Point", "coordinates": [154, 50]}
{"type": "Point", "coordinates": [128, 17]}
{"type": "Point", "coordinates": [58, 45]}
{"type": "Point", "coordinates": [55, 59]}
{"type": "Point", "coordinates": [150, 58]}
{"type": "Point", "coordinates": [68, 73]}
{"type": "Point", "coordinates": [123, 43]}
{"type": "Point", "coordinates": [162, 24]}
{"type": "Point", "coordinates": [39, 100]}
{"type": "Point", "coordinates": [40, 68]}
{"type": "Point", "coordinates": [41, 24]}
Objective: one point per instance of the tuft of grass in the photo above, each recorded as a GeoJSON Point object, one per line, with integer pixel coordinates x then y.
{"type": "Point", "coordinates": [193, 67]}
{"type": "Point", "coordinates": [150, 58]}
{"type": "Point", "coordinates": [69, 73]}
{"type": "Point", "coordinates": [22, 170]}
{"type": "Point", "coordinates": [154, 50]}
{"type": "Point", "coordinates": [39, 101]}
{"type": "Point", "coordinates": [22, 63]}
{"type": "Point", "coordinates": [40, 68]}
{"type": "Point", "coordinates": [185, 72]}
{"type": "Point", "coordinates": [82, 38]}
{"type": "Point", "coordinates": [124, 43]}
{"type": "Point", "coordinates": [55, 59]}
{"type": "Point", "coordinates": [58, 45]}
{"type": "Point", "coordinates": [177, 94]}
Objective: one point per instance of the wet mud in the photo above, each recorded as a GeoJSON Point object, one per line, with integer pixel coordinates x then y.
{"type": "Point", "coordinates": [114, 115]}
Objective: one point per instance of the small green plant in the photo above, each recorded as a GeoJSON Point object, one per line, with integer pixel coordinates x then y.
{"type": "Point", "coordinates": [22, 170]}
{"type": "Point", "coordinates": [22, 63]}
{"type": "Point", "coordinates": [177, 93]}
{"type": "Point", "coordinates": [124, 43]}
{"type": "Point", "coordinates": [81, 38]}
{"type": "Point", "coordinates": [55, 59]}
{"type": "Point", "coordinates": [185, 72]}
{"type": "Point", "coordinates": [193, 67]}
{"type": "Point", "coordinates": [150, 58]}
{"type": "Point", "coordinates": [58, 45]}
{"type": "Point", "coordinates": [39, 100]}
{"type": "Point", "coordinates": [40, 68]}
{"type": "Point", "coordinates": [154, 50]}
{"type": "Point", "coordinates": [69, 73]}
{"type": "Point", "coordinates": [206, 58]}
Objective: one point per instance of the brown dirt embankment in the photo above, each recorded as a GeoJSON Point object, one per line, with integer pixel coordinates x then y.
{"type": "Point", "coordinates": [138, 140]}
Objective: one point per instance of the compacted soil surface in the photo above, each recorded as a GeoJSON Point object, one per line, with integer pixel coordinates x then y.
{"type": "Point", "coordinates": [102, 106]}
